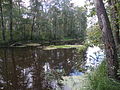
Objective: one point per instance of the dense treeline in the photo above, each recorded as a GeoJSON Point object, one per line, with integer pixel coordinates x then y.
{"type": "Point", "coordinates": [41, 20]}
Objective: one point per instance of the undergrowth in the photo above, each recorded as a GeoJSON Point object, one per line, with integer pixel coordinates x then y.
{"type": "Point", "coordinates": [100, 81]}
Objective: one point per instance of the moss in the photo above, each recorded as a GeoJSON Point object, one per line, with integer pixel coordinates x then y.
{"type": "Point", "coordinates": [79, 47]}
{"type": "Point", "coordinates": [32, 44]}
{"type": "Point", "coordinates": [100, 81]}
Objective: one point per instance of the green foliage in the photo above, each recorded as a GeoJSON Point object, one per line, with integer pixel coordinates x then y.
{"type": "Point", "coordinates": [100, 81]}
{"type": "Point", "coordinates": [92, 12]}
{"type": "Point", "coordinates": [94, 35]}
{"type": "Point", "coordinates": [42, 20]}
{"type": "Point", "coordinates": [82, 49]}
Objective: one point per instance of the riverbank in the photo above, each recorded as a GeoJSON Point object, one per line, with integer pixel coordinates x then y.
{"type": "Point", "coordinates": [40, 43]}
{"type": "Point", "coordinates": [95, 80]}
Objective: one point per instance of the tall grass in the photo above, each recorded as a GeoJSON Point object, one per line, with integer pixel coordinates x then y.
{"type": "Point", "coordinates": [100, 81]}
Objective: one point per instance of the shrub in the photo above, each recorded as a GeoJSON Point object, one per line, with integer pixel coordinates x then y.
{"type": "Point", "coordinates": [100, 81]}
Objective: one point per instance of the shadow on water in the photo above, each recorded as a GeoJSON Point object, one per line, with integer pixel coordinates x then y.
{"type": "Point", "coordinates": [36, 69]}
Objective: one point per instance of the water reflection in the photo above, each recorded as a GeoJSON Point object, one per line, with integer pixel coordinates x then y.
{"type": "Point", "coordinates": [95, 56]}
{"type": "Point", "coordinates": [36, 69]}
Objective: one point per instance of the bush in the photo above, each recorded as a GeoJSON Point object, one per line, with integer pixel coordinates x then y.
{"type": "Point", "coordinates": [94, 35]}
{"type": "Point", "coordinates": [100, 81]}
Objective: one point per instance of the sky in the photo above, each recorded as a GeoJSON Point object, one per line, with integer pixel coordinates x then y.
{"type": "Point", "coordinates": [76, 2]}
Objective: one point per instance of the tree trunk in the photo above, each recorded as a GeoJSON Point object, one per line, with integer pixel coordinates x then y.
{"type": "Point", "coordinates": [2, 22]}
{"type": "Point", "coordinates": [110, 48]}
{"type": "Point", "coordinates": [24, 33]}
{"type": "Point", "coordinates": [115, 20]}
{"type": "Point", "coordinates": [32, 28]}
{"type": "Point", "coordinates": [11, 21]}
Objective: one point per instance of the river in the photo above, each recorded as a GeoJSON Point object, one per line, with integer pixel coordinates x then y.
{"type": "Point", "coordinates": [32, 68]}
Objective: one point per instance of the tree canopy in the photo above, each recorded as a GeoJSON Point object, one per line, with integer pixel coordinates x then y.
{"type": "Point", "coordinates": [41, 20]}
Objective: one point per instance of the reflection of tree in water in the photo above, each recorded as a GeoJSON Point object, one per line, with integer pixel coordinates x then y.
{"type": "Point", "coordinates": [22, 69]}
{"type": "Point", "coordinates": [4, 82]}
{"type": "Point", "coordinates": [38, 76]}
{"type": "Point", "coordinates": [13, 75]}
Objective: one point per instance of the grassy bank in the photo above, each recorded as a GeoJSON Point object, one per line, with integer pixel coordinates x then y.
{"type": "Point", "coordinates": [80, 47]}
{"type": "Point", "coordinates": [100, 81]}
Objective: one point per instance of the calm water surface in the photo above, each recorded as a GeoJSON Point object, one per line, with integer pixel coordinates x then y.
{"type": "Point", "coordinates": [36, 69]}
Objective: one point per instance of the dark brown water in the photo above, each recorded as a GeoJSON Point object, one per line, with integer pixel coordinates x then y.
{"type": "Point", "coordinates": [34, 68]}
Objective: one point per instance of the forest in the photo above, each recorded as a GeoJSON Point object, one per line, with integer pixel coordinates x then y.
{"type": "Point", "coordinates": [57, 45]}
{"type": "Point", "coordinates": [41, 21]}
